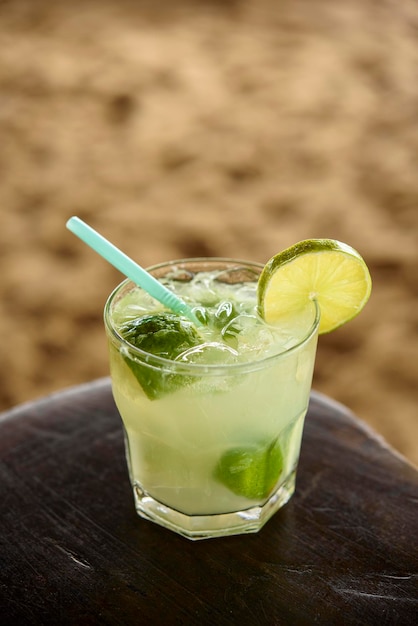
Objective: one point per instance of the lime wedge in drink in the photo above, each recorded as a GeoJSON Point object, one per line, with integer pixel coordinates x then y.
{"type": "Point", "coordinates": [325, 270]}
{"type": "Point", "coordinates": [165, 335]}
{"type": "Point", "coordinates": [251, 471]}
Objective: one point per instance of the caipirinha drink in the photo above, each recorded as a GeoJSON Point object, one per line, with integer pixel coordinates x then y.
{"type": "Point", "coordinates": [211, 365]}
{"type": "Point", "coordinates": [213, 413]}
{"type": "Point", "coordinates": [213, 403]}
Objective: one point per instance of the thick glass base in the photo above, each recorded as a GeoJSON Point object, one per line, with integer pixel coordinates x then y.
{"type": "Point", "coordinates": [196, 527]}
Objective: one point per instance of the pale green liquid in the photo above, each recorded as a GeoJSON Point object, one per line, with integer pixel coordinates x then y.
{"type": "Point", "coordinates": [175, 442]}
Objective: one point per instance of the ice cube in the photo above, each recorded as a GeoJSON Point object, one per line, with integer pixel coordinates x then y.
{"type": "Point", "coordinates": [209, 353]}
{"type": "Point", "coordinates": [258, 341]}
{"type": "Point", "coordinates": [239, 324]}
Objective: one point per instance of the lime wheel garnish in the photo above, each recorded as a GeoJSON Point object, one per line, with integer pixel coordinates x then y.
{"type": "Point", "coordinates": [325, 270]}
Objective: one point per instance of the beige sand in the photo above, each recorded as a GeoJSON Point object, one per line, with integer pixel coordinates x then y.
{"type": "Point", "coordinates": [210, 128]}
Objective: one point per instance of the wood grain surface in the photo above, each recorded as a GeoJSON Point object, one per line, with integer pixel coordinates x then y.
{"type": "Point", "coordinates": [73, 550]}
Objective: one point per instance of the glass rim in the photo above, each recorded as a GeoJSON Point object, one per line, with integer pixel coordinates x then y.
{"type": "Point", "coordinates": [168, 365]}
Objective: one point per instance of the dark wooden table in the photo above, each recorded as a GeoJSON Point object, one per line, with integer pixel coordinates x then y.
{"type": "Point", "coordinates": [73, 551]}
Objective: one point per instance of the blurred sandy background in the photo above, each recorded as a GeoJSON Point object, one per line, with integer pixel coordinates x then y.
{"type": "Point", "coordinates": [229, 128]}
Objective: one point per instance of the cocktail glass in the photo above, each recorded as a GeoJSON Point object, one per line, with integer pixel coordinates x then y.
{"type": "Point", "coordinates": [212, 443]}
